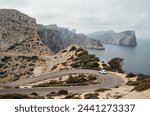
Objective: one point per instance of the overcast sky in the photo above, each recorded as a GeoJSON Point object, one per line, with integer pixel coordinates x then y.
{"type": "Point", "coordinates": [88, 15]}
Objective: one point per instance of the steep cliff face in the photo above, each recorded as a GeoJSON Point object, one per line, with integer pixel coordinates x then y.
{"type": "Point", "coordinates": [18, 33]}
{"type": "Point", "coordinates": [126, 38]}
{"type": "Point", "coordinates": [57, 38]}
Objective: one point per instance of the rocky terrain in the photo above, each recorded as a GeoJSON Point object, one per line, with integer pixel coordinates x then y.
{"type": "Point", "coordinates": [126, 38]}
{"type": "Point", "coordinates": [18, 33]}
{"type": "Point", "coordinates": [57, 38]}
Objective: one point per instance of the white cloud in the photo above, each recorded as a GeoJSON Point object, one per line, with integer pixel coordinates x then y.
{"type": "Point", "coordinates": [88, 15]}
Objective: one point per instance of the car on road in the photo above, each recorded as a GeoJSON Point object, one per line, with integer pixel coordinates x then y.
{"type": "Point", "coordinates": [103, 72]}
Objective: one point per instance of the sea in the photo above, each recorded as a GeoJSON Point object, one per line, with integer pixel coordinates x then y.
{"type": "Point", "coordinates": [136, 59]}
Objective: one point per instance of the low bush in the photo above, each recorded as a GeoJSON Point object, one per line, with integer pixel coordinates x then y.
{"type": "Point", "coordinates": [132, 83]}
{"type": "Point", "coordinates": [72, 48]}
{"type": "Point", "coordinates": [130, 75]}
{"type": "Point", "coordinates": [91, 78]}
{"type": "Point", "coordinates": [101, 90]}
{"type": "Point", "coordinates": [71, 96]}
{"type": "Point", "coordinates": [54, 67]}
{"type": "Point", "coordinates": [115, 64]}
{"type": "Point", "coordinates": [142, 86]}
{"type": "Point", "coordinates": [6, 59]}
{"type": "Point", "coordinates": [91, 96]}
{"type": "Point", "coordinates": [79, 79]}
{"type": "Point", "coordinates": [14, 96]}
{"type": "Point", "coordinates": [34, 94]}
{"type": "Point", "coordinates": [63, 92]}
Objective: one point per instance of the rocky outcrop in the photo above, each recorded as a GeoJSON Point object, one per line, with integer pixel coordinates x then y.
{"type": "Point", "coordinates": [57, 38]}
{"type": "Point", "coordinates": [126, 38]}
{"type": "Point", "coordinates": [18, 33]}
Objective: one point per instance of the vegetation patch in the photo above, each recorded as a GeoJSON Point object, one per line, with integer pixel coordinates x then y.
{"type": "Point", "coordinates": [102, 90]}
{"type": "Point", "coordinates": [91, 96]}
{"type": "Point", "coordinates": [130, 75]}
{"type": "Point", "coordinates": [115, 64]}
{"type": "Point", "coordinates": [142, 83]}
{"type": "Point", "coordinates": [72, 96]}
{"type": "Point", "coordinates": [85, 60]}
{"type": "Point", "coordinates": [72, 80]}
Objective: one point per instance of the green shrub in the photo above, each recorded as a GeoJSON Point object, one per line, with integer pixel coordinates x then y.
{"type": "Point", "coordinates": [14, 96]}
{"type": "Point", "coordinates": [54, 67]}
{"type": "Point", "coordinates": [71, 96]}
{"type": "Point", "coordinates": [64, 51]}
{"type": "Point", "coordinates": [91, 78]}
{"type": "Point", "coordinates": [72, 48]}
{"type": "Point", "coordinates": [102, 90]}
{"type": "Point", "coordinates": [63, 92]}
{"type": "Point", "coordinates": [6, 59]}
{"type": "Point", "coordinates": [79, 79]}
{"type": "Point", "coordinates": [34, 94]}
{"type": "Point", "coordinates": [79, 49]}
{"type": "Point", "coordinates": [132, 83]}
{"type": "Point", "coordinates": [130, 75]}
{"type": "Point", "coordinates": [116, 64]}
{"type": "Point", "coordinates": [91, 96]}
{"type": "Point", "coordinates": [142, 86]}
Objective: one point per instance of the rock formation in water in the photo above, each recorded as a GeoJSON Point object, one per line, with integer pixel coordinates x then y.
{"type": "Point", "coordinates": [57, 38]}
{"type": "Point", "coordinates": [126, 38]}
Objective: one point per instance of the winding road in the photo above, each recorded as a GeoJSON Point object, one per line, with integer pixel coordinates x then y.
{"type": "Point", "coordinates": [105, 80]}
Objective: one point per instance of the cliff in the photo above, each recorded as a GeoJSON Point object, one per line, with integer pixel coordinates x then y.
{"type": "Point", "coordinates": [57, 38]}
{"type": "Point", "coordinates": [126, 38]}
{"type": "Point", "coordinates": [18, 33]}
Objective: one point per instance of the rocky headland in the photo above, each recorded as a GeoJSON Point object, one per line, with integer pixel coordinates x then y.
{"type": "Point", "coordinates": [125, 38]}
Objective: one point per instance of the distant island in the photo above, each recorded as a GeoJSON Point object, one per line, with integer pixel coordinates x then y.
{"type": "Point", "coordinates": [125, 38]}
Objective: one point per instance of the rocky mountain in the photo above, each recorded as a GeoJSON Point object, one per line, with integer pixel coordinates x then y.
{"type": "Point", "coordinates": [126, 38]}
{"type": "Point", "coordinates": [18, 33]}
{"type": "Point", "coordinates": [57, 38]}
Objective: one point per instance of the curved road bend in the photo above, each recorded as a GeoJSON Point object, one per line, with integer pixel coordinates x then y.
{"type": "Point", "coordinates": [106, 81]}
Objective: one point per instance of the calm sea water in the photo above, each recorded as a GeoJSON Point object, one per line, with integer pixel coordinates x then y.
{"type": "Point", "coordinates": [136, 59]}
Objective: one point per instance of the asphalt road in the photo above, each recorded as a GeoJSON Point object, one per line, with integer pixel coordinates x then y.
{"type": "Point", "coordinates": [105, 80]}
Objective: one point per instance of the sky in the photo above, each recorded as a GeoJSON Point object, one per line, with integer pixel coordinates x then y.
{"type": "Point", "coordinates": [87, 16]}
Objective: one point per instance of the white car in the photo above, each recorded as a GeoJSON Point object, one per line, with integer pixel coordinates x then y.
{"type": "Point", "coordinates": [103, 72]}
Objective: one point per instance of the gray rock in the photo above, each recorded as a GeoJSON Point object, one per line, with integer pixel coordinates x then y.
{"type": "Point", "coordinates": [18, 33]}
{"type": "Point", "coordinates": [126, 38]}
{"type": "Point", "coordinates": [15, 27]}
{"type": "Point", "coordinates": [57, 38]}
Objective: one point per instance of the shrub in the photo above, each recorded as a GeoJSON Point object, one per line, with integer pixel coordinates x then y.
{"type": "Point", "coordinates": [34, 94]}
{"type": "Point", "coordinates": [64, 51]}
{"type": "Point", "coordinates": [14, 96]}
{"type": "Point", "coordinates": [79, 49]}
{"type": "Point", "coordinates": [3, 74]}
{"type": "Point", "coordinates": [54, 67]}
{"type": "Point", "coordinates": [101, 90]}
{"type": "Point", "coordinates": [130, 75]}
{"type": "Point", "coordinates": [71, 96]}
{"type": "Point", "coordinates": [116, 64]}
{"type": "Point", "coordinates": [79, 79]}
{"type": "Point", "coordinates": [132, 83]}
{"type": "Point", "coordinates": [91, 96]}
{"type": "Point", "coordinates": [72, 48]}
{"type": "Point", "coordinates": [6, 59]}
{"type": "Point", "coordinates": [91, 78]}
{"type": "Point", "coordinates": [1, 65]}
{"type": "Point", "coordinates": [142, 86]}
{"type": "Point", "coordinates": [52, 94]}
{"type": "Point", "coordinates": [63, 92]}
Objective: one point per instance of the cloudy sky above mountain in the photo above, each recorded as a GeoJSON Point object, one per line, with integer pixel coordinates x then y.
{"type": "Point", "coordinates": [88, 15]}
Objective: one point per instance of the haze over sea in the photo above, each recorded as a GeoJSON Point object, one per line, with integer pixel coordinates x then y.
{"type": "Point", "coordinates": [136, 59]}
